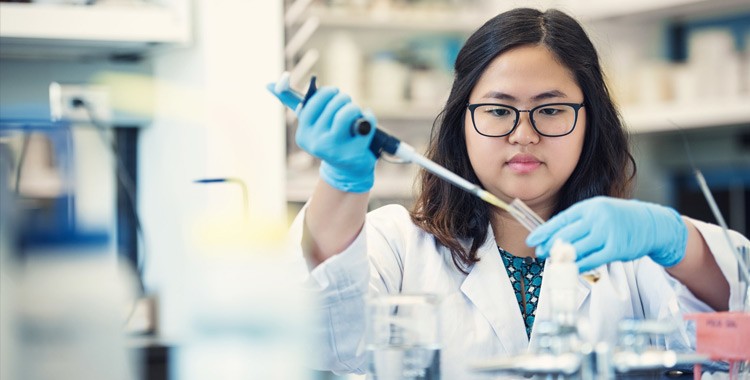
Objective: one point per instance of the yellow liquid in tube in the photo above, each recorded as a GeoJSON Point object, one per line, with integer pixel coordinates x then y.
{"type": "Point", "coordinates": [591, 276]}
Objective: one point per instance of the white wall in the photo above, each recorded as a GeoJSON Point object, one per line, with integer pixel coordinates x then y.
{"type": "Point", "coordinates": [213, 119]}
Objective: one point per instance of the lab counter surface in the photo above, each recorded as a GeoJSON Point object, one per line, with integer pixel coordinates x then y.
{"type": "Point", "coordinates": [155, 360]}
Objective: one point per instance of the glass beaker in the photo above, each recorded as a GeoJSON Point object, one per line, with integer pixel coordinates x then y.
{"type": "Point", "coordinates": [742, 301]}
{"type": "Point", "coordinates": [403, 337]}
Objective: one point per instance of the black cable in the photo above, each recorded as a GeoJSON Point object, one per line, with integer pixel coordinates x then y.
{"type": "Point", "coordinates": [703, 186]}
{"type": "Point", "coordinates": [21, 159]}
{"type": "Point", "coordinates": [128, 185]}
{"type": "Point", "coordinates": [686, 145]}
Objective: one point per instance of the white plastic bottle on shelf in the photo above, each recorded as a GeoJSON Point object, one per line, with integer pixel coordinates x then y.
{"type": "Point", "coordinates": [386, 81]}
{"type": "Point", "coordinates": [716, 63]}
{"type": "Point", "coordinates": [653, 83]}
{"type": "Point", "coordinates": [342, 65]}
{"type": "Point", "coordinates": [428, 87]}
{"type": "Point", "coordinates": [684, 87]}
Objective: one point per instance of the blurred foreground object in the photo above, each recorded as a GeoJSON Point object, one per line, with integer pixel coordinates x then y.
{"type": "Point", "coordinates": [70, 314]}
{"type": "Point", "coordinates": [65, 296]}
{"type": "Point", "coordinates": [403, 336]}
{"type": "Point", "coordinates": [245, 316]}
{"type": "Point", "coordinates": [563, 350]}
{"type": "Point", "coordinates": [723, 336]}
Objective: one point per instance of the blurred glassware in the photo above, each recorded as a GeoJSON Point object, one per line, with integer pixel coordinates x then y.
{"type": "Point", "coordinates": [9, 343]}
{"type": "Point", "coordinates": [244, 312]}
{"type": "Point", "coordinates": [403, 337]}
{"type": "Point", "coordinates": [742, 301]}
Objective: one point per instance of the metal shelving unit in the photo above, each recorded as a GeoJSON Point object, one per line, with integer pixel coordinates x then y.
{"type": "Point", "coordinates": [57, 31]}
{"type": "Point", "coordinates": [381, 23]}
{"type": "Point", "coordinates": [664, 117]}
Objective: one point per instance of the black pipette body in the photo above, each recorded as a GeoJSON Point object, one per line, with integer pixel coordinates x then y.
{"type": "Point", "coordinates": [381, 142]}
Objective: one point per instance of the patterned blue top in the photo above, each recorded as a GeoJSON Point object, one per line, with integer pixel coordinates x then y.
{"type": "Point", "coordinates": [526, 278]}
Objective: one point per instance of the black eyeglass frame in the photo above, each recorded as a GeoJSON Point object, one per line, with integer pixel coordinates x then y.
{"type": "Point", "coordinates": [575, 106]}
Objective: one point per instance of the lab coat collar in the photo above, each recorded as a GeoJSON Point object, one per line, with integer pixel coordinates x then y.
{"type": "Point", "coordinates": [488, 287]}
{"type": "Point", "coordinates": [543, 308]}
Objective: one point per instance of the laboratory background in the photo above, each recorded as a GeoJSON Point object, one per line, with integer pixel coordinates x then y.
{"type": "Point", "coordinates": [147, 176]}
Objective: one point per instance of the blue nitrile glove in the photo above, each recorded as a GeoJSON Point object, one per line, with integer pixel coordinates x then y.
{"type": "Point", "coordinates": [324, 130]}
{"type": "Point", "coordinates": [604, 229]}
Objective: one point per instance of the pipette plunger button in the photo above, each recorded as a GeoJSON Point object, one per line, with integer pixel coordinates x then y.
{"type": "Point", "coordinates": [361, 127]}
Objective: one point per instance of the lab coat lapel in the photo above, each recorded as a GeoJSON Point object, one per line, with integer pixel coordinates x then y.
{"type": "Point", "coordinates": [489, 289]}
{"type": "Point", "coordinates": [543, 308]}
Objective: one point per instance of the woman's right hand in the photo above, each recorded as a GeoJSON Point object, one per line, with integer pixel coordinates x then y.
{"type": "Point", "coordinates": [324, 130]}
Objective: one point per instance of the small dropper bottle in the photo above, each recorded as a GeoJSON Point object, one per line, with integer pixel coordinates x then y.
{"type": "Point", "coordinates": [561, 274]}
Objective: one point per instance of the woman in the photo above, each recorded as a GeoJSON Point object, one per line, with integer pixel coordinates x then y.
{"type": "Point", "coordinates": [529, 116]}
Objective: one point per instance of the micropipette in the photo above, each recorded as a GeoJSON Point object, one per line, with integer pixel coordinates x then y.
{"type": "Point", "coordinates": [384, 142]}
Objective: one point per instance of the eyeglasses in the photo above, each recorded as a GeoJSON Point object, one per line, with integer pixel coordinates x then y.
{"type": "Point", "coordinates": [550, 120]}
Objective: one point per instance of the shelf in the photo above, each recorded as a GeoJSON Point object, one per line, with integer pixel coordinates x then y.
{"type": "Point", "coordinates": [397, 183]}
{"type": "Point", "coordinates": [47, 30]}
{"type": "Point", "coordinates": [463, 20]}
{"type": "Point", "coordinates": [725, 112]}
{"type": "Point", "coordinates": [640, 10]}
{"type": "Point", "coordinates": [415, 20]}
{"type": "Point", "coordinates": [407, 113]}
{"type": "Point", "coordinates": [638, 118]}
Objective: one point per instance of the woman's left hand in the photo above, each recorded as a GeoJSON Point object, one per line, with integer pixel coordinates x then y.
{"type": "Point", "coordinates": [604, 229]}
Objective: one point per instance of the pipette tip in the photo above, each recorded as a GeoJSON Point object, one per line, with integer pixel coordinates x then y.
{"type": "Point", "coordinates": [493, 200]}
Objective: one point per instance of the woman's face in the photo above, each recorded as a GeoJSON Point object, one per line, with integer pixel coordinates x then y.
{"type": "Point", "coordinates": [525, 164]}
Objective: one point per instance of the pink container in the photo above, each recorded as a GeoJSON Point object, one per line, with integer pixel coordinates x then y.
{"type": "Point", "coordinates": [723, 336]}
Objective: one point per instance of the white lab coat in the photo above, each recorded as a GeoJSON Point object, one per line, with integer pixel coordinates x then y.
{"type": "Point", "coordinates": [480, 317]}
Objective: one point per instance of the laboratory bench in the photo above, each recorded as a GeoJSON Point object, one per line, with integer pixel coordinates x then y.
{"type": "Point", "coordinates": [155, 357]}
